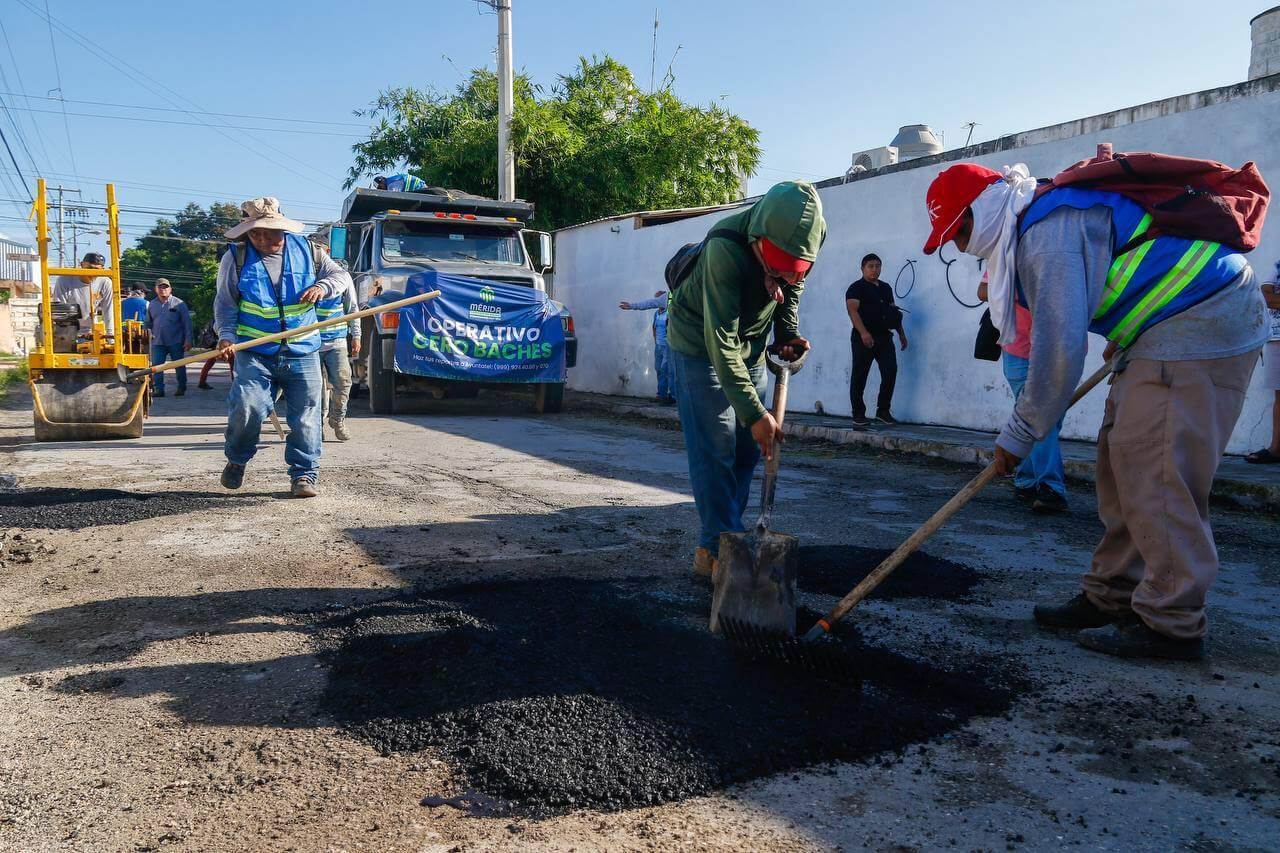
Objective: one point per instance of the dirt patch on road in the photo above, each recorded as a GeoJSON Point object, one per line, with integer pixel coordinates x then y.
{"type": "Point", "coordinates": [836, 569]}
{"type": "Point", "coordinates": [555, 694]}
{"type": "Point", "coordinates": [73, 509]}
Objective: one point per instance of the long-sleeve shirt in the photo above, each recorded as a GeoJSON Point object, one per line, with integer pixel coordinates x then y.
{"type": "Point", "coordinates": [659, 319]}
{"type": "Point", "coordinates": [94, 296]}
{"type": "Point", "coordinates": [170, 322]}
{"type": "Point", "coordinates": [349, 306]}
{"type": "Point", "coordinates": [331, 278]}
{"type": "Point", "coordinates": [1062, 263]}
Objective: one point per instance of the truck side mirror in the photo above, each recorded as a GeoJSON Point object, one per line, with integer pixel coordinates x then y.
{"type": "Point", "coordinates": [338, 242]}
{"type": "Point", "coordinates": [545, 260]}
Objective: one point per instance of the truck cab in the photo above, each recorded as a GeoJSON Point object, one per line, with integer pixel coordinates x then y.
{"type": "Point", "coordinates": [385, 237]}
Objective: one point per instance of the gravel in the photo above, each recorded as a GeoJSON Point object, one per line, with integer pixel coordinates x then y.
{"type": "Point", "coordinates": [556, 694]}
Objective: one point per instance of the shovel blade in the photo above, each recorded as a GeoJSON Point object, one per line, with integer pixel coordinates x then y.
{"type": "Point", "coordinates": [755, 582]}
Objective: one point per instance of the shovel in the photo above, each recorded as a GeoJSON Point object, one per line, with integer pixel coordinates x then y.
{"type": "Point", "coordinates": [755, 580]}
{"type": "Point", "coordinates": [127, 375]}
{"type": "Point", "coordinates": [773, 639]}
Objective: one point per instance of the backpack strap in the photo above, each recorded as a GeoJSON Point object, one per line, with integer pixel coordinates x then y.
{"type": "Point", "coordinates": [240, 251]}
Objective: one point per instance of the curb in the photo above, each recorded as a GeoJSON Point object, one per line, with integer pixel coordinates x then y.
{"type": "Point", "coordinates": [1241, 493]}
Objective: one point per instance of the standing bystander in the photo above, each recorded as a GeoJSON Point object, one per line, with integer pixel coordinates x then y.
{"type": "Point", "coordinates": [661, 353]}
{"type": "Point", "coordinates": [1039, 480]}
{"type": "Point", "coordinates": [169, 322]}
{"type": "Point", "coordinates": [875, 318]}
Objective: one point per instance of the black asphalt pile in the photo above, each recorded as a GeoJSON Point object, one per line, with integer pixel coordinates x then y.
{"type": "Point", "coordinates": [557, 694]}
{"type": "Point", "coordinates": [836, 569]}
{"type": "Point", "coordinates": [72, 509]}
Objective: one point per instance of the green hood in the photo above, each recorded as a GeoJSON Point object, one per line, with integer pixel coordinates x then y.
{"type": "Point", "coordinates": [790, 215]}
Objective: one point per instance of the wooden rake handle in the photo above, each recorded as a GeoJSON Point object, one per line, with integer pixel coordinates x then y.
{"type": "Point", "coordinates": [288, 333]}
{"type": "Point", "coordinates": [930, 527]}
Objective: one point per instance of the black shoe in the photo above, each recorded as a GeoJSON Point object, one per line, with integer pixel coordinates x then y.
{"type": "Point", "coordinates": [1077, 614]}
{"type": "Point", "coordinates": [232, 475]}
{"type": "Point", "coordinates": [667, 401]}
{"type": "Point", "coordinates": [1133, 639]}
{"type": "Point", "coordinates": [159, 393]}
{"type": "Point", "coordinates": [205, 386]}
{"type": "Point", "coordinates": [886, 418]}
{"type": "Point", "coordinates": [1048, 502]}
{"type": "Point", "coordinates": [860, 421]}
{"type": "Point", "coordinates": [181, 392]}
{"type": "Point", "coordinates": [1025, 494]}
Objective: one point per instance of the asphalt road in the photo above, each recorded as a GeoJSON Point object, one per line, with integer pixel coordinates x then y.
{"type": "Point", "coordinates": [187, 668]}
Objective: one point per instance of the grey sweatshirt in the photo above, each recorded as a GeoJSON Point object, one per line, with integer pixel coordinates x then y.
{"type": "Point", "coordinates": [1062, 264]}
{"type": "Point", "coordinates": [330, 277]}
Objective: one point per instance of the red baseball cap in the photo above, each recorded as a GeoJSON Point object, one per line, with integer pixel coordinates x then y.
{"type": "Point", "coordinates": [950, 195]}
{"type": "Point", "coordinates": [780, 260]}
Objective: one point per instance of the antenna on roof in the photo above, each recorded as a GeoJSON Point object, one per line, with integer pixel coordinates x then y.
{"type": "Point", "coordinates": [971, 125]}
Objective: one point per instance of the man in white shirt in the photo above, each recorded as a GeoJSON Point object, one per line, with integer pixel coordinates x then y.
{"type": "Point", "coordinates": [92, 293]}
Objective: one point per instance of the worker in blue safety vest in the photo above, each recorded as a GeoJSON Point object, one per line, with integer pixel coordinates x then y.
{"type": "Point", "coordinates": [400, 183]}
{"type": "Point", "coordinates": [1189, 323]}
{"type": "Point", "coordinates": [271, 282]}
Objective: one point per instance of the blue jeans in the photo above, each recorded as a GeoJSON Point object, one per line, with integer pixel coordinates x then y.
{"type": "Point", "coordinates": [1043, 467]}
{"type": "Point", "coordinates": [168, 352]}
{"type": "Point", "coordinates": [662, 367]}
{"type": "Point", "coordinates": [722, 454]}
{"type": "Point", "coordinates": [253, 397]}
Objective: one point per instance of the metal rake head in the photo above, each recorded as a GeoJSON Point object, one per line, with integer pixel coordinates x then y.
{"type": "Point", "coordinates": [826, 660]}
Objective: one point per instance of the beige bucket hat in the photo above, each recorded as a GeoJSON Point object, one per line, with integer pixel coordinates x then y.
{"type": "Point", "coordinates": [263, 213]}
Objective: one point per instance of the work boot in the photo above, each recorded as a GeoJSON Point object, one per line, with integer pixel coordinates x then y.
{"type": "Point", "coordinates": [232, 476]}
{"type": "Point", "coordinates": [1133, 639]}
{"type": "Point", "coordinates": [304, 487]}
{"type": "Point", "coordinates": [159, 392]}
{"type": "Point", "coordinates": [1025, 494]}
{"type": "Point", "coordinates": [704, 565]}
{"type": "Point", "coordinates": [340, 430]}
{"type": "Point", "coordinates": [181, 392]}
{"type": "Point", "coordinates": [1077, 614]}
{"type": "Point", "coordinates": [205, 386]}
{"type": "Point", "coordinates": [1048, 502]}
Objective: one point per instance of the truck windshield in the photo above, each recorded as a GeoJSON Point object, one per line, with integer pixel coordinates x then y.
{"type": "Point", "coordinates": [450, 241]}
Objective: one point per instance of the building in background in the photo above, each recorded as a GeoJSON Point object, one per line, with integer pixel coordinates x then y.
{"type": "Point", "coordinates": [19, 295]}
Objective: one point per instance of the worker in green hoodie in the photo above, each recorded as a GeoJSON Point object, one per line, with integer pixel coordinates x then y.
{"type": "Point", "coordinates": [746, 281]}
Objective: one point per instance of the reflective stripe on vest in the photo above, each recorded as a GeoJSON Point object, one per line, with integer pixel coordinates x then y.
{"type": "Point", "coordinates": [1153, 281]}
{"type": "Point", "coordinates": [267, 308]}
{"type": "Point", "coordinates": [327, 309]}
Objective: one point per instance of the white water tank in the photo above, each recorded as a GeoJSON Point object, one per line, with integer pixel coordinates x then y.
{"type": "Point", "coordinates": [916, 140]}
{"type": "Point", "coordinates": [1264, 32]}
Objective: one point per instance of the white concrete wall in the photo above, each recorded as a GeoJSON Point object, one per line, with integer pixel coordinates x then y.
{"type": "Point", "coordinates": [939, 382]}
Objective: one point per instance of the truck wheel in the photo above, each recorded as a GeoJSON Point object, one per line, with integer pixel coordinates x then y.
{"type": "Point", "coordinates": [548, 398]}
{"type": "Point", "coordinates": [382, 382]}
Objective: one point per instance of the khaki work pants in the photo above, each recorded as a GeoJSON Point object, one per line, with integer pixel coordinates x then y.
{"type": "Point", "coordinates": [1165, 429]}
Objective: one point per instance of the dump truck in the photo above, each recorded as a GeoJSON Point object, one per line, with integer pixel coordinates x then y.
{"type": "Point", "coordinates": [76, 390]}
{"type": "Point", "coordinates": [459, 240]}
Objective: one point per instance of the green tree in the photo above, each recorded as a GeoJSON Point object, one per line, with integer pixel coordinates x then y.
{"type": "Point", "coordinates": [185, 251]}
{"type": "Point", "coordinates": [595, 145]}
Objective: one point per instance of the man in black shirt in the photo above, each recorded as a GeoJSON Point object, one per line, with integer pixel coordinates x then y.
{"type": "Point", "coordinates": [869, 302]}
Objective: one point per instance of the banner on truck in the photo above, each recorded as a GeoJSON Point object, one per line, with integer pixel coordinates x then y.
{"type": "Point", "coordinates": [480, 331]}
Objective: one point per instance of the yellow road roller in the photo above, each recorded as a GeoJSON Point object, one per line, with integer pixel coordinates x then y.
{"type": "Point", "coordinates": [76, 390]}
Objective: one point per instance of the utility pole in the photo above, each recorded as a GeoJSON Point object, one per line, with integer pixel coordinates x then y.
{"type": "Point", "coordinates": [506, 105]}
{"type": "Point", "coordinates": [62, 260]}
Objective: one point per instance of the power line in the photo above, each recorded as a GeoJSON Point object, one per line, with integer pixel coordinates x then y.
{"type": "Point", "coordinates": [198, 123]}
{"type": "Point", "coordinates": [22, 87]}
{"type": "Point", "coordinates": [201, 112]}
{"type": "Point", "coordinates": [14, 160]}
{"type": "Point", "coordinates": [138, 76]}
{"type": "Point", "coordinates": [170, 189]}
{"type": "Point", "coordinates": [57, 70]}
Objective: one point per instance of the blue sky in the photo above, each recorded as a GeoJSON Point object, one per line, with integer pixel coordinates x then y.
{"type": "Point", "coordinates": [819, 78]}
